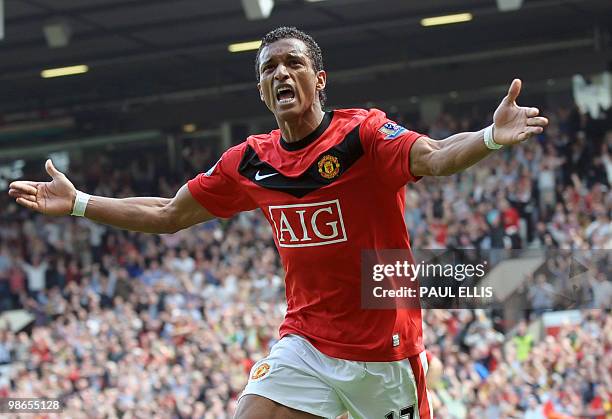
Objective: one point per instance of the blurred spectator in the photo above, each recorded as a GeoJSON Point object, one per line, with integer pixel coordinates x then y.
{"type": "Point", "coordinates": [541, 294]}
{"type": "Point", "coordinates": [601, 288]}
{"type": "Point", "coordinates": [523, 342]}
{"type": "Point", "coordinates": [36, 273]}
{"type": "Point", "coordinates": [130, 324]}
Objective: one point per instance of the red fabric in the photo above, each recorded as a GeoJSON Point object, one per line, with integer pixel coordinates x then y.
{"type": "Point", "coordinates": [440, 232]}
{"type": "Point", "coordinates": [74, 375]}
{"type": "Point", "coordinates": [419, 372]}
{"type": "Point", "coordinates": [73, 275]}
{"type": "Point", "coordinates": [511, 217]}
{"type": "Point", "coordinates": [16, 281]}
{"type": "Point", "coordinates": [41, 350]}
{"type": "Point", "coordinates": [247, 364]}
{"type": "Point", "coordinates": [493, 363]}
{"type": "Point", "coordinates": [548, 408]}
{"type": "Point", "coordinates": [550, 412]}
{"type": "Point", "coordinates": [596, 405]}
{"type": "Point", "coordinates": [363, 208]}
{"type": "Point", "coordinates": [452, 326]}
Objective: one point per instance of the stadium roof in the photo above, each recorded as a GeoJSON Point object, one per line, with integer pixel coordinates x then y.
{"type": "Point", "coordinates": [175, 51]}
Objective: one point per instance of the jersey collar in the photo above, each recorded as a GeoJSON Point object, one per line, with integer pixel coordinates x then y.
{"type": "Point", "coordinates": [310, 138]}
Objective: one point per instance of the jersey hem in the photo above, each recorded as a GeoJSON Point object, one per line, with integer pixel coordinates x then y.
{"type": "Point", "coordinates": [356, 355]}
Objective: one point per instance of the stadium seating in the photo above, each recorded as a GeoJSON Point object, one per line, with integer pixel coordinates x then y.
{"type": "Point", "coordinates": [155, 326]}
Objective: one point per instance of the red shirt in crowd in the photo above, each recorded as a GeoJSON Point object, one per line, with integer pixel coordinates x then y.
{"type": "Point", "coordinates": [328, 196]}
{"type": "Point", "coordinates": [511, 218]}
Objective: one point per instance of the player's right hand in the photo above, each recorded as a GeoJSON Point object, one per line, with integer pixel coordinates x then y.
{"type": "Point", "coordinates": [51, 198]}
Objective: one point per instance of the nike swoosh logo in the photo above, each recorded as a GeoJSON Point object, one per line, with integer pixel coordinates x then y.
{"type": "Point", "coordinates": [261, 177]}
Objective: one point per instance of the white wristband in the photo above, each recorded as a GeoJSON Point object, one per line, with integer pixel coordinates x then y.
{"type": "Point", "coordinates": [80, 203]}
{"type": "Point", "coordinates": [488, 139]}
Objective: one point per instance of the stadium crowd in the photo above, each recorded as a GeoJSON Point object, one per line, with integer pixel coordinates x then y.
{"type": "Point", "coordinates": [134, 325]}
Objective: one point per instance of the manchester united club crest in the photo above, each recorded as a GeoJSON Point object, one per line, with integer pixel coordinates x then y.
{"type": "Point", "coordinates": [260, 371]}
{"type": "Point", "coordinates": [329, 166]}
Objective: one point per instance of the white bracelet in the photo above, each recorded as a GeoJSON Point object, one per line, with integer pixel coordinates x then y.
{"type": "Point", "coordinates": [80, 203]}
{"type": "Point", "coordinates": [488, 139]}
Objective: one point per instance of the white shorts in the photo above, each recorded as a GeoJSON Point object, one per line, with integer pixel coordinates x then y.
{"type": "Point", "coordinates": [297, 375]}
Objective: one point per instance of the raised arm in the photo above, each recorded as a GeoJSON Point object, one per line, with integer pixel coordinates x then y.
{"type": "Point", "coordinates": [512, 124]}
{"type": "Point", "coordinates": [147, 214]}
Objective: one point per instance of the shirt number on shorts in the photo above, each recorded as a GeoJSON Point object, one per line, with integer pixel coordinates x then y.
{"type": "Point", "coordinates": [404, 412]}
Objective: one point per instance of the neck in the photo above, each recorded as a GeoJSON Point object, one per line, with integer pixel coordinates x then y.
{"type": "Point", "coordinates": [295, 129]}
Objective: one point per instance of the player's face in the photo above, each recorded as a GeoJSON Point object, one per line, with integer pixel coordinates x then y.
{"type": "Point", "coordinates": [288, 83]}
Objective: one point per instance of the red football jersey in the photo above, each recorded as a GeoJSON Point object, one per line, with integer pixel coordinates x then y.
{"type": "Point", "coordinates": [327, 197]}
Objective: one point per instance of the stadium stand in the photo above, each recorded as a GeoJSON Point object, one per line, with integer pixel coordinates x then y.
{"type": "Point", "coordinates": [133, 325]}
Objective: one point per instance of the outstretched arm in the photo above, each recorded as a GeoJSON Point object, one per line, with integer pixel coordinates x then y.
{"type": "Point", "coordinates": [148, 214]}
{"type": "Point", "coordinates": [512, 124]}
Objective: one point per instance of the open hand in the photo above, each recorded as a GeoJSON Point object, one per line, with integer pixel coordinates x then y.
{"type": "Point", "coordinates": [51, 198]}
{"type": "Point", "coordinates": [513, 123]}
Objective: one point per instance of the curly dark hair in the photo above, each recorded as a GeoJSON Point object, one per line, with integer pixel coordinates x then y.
{"type": "Point", "coordinates": [312, 50]}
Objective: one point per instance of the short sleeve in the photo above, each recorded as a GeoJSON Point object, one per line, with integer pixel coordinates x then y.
{"type": "Point", "coordinates": [219, 190]}
{"type": "Point", "coordinates": [388, 146]}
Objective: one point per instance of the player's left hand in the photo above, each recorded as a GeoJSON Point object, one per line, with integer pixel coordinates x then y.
{"type": "Point", "coordinates": [513, 123]}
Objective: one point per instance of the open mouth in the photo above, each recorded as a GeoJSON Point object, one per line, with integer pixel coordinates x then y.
{"type": "Point", "coordinates": [285, 94]}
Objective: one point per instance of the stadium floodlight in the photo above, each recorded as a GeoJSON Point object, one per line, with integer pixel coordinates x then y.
{"type": "Point", "coordinates": [446, 19]}
{"type": "Point", "coordinates": [509, 5]}
{"type": "Point", "coordinates": [244, 46]}
{"type": "Point", "coordinates": [64, 71]}
{"type": "Point", "coordinates": [57, 33]}
{"type": "Point", "coordinates": [257, 9]}
{"type": "Point", "coordinates": [189, 128]}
